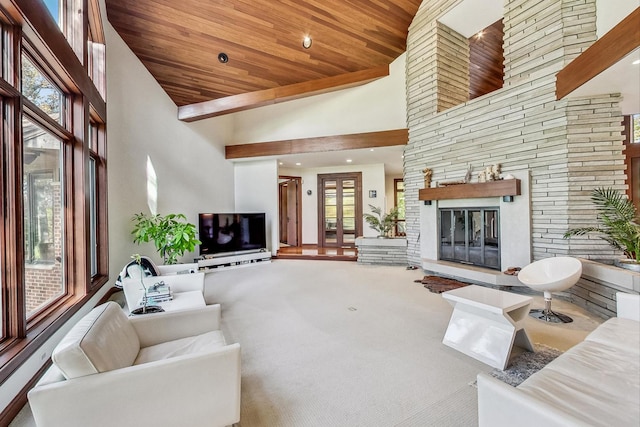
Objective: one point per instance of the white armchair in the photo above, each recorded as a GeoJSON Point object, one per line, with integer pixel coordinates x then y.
{"type": "Point", "coordinates": [165, 369]}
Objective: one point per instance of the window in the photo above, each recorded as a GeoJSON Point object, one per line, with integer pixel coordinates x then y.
{"type": "Point", "coordinates": [96, 188]}
{"type": "Point", "coordinates": [43, 217]}
{"type": "Point", "coordinates": [53, 177]}
{"type": "Point", "coordinates": [398, 199]}
{"type": "Point", "coordinates": [38, 89]}
{"type": "Point", "coordinates": [54, 9]}
{"type": "Point", "coordinates": [95, 48]}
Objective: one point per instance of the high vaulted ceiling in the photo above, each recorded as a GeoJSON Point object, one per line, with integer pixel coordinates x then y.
{"type": "Point", "coordinates": [179, 41]}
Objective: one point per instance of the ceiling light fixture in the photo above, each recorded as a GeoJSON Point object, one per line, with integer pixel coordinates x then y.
{"type": "Point", "coordinates": [636, 62]}
{"type": "Point", "coordinates": [349, 160]}
{"type": "Point", "coordinates": [298, 164]}
{"type": "Point", "coordinates": [306, 42]}
{"type": "Point", "coordinates": [480, 34]}
{"type": "Point", "coordinates": [222, 57]}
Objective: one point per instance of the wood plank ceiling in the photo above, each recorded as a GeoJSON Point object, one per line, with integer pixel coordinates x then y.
{"type": "Point", "coordinates": [179, 41]}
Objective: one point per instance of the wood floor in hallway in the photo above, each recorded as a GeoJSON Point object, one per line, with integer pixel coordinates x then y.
{"type": "Point", "coordinates": [313, 252]}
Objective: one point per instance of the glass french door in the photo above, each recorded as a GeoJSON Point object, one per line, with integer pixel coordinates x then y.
{"type": "Point", "coordinates": [340, 209]}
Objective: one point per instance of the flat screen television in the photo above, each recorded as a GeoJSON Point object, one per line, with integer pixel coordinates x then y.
{"type": "Point", "coordinates": [231, 232]}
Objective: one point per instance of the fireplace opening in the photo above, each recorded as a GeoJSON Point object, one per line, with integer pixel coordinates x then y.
{"type": "Point", "coordinates": [470, 236]}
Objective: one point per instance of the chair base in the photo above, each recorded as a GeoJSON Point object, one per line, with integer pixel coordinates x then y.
{"type": "Point", "coordinates": [549, 316]}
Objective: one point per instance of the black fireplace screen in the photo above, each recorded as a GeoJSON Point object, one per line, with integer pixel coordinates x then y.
{"type": "Point", "coordinates": [470, 236]}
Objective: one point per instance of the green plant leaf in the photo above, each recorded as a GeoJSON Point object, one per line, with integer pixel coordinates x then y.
{"type": "Point", "coordinates": [617, 222]}
{"type": "Point", "coordinates": [171, 234]}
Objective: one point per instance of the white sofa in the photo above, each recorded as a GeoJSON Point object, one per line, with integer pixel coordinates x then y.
{"type": "Point", "coordinates": [166, 369]}
{"type": "Point", "coordinates": [595, 383]}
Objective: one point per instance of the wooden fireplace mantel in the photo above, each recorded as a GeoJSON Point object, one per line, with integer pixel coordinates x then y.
{"type": "Point", "coordinates": [504, 187]}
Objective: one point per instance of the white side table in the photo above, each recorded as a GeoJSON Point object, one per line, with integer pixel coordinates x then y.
{"type": "Point", "coordinates": [486, 323]}
{"type": "Point", "coordinates": [183, 300]}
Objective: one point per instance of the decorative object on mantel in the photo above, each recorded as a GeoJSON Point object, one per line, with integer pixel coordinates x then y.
{"type": "Point", "coordinates": [490, 173]}
{"type": "Point", "coordinates": [427, 177]}
{"type": "Point", "coordinates": [466, 180]}
{"type": "Point", "coordinates": [619, 225]}
{"type": "Point", "coordinates": [381, 222]}
{"type": "Point", "coordinates": [438, 285]}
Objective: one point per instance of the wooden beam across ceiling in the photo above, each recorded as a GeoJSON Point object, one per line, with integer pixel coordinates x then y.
{"type": "Point", "coordinates": [605, 52]}
{"type": "Point", "coordinates": [246, 101]}
{"type": "Point", "coordinates": [319, 144]}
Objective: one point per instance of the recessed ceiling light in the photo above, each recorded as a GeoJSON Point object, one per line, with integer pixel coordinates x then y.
{"type": "Point", "coordinates": [298, 164]}
{"type": "Point", "coordinates": [222, 57]}
{"type": "Point", "coordinates": [349, 160]}
{"type": "Point", "coordinates": [480, 34]}
{"type": "Point", "coordinates": [281, 163]}
{"type": "Point", "coordinates": [636, 62]}
{"type": "Point", "coordinates": [372, 149]}
{"type": "Point", "coordinates": [306, 42]}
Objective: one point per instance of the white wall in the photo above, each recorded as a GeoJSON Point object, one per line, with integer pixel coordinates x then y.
{"type": "Point", "coordinates": [372, 179]}
{"type": "Point", "coordinates": [610, 12]}
{"type": "Point", "coordinates": [379, 105]}
{"type": "Point", "coordinates": [256, 190]}
{"type": "Point", "coordinates": [146, 138]}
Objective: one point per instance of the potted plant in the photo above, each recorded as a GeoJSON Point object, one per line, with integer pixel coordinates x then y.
{"type": "Point", "coordinates": [171, 234]}
{"type": "Point", "coordinates": [618, 225]}
{"type": "Point", "coordinates": [381, 222]}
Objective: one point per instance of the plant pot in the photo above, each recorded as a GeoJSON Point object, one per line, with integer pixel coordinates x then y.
{"type": "Point", "coordinates": [628, 264]}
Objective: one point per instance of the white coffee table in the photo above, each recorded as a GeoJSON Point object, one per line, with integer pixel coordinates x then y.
{"type": "Point", "coordinates": [487, 323]}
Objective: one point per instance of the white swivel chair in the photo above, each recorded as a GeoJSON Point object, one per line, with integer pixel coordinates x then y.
{"type": "Point", "coordinates": [551, 275]}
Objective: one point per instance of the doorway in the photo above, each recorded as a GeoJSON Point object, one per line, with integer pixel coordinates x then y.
{"type": "Point", "coordinates": [339, 209]}
{"type": "Point", "coordinates": [290, 196]}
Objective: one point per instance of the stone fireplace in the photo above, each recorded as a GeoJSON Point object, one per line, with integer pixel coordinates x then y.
{"type": "Point", "coordinates": [476, 238]}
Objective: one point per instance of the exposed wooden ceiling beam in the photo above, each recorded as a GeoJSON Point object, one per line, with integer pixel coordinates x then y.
{"type": "Point", "coordinates": [246, 101]}
{"type": "Point", "coordinates": [319, 144]}
{"type": "Point", "coordinates": [605, 52]}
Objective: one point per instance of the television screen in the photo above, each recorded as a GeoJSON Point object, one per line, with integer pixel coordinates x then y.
{"type": "Point", "coordinates": [232, 232]}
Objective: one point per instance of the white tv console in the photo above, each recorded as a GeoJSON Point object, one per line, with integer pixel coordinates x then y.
{"type": "Point", "coordinates": [208, 263]}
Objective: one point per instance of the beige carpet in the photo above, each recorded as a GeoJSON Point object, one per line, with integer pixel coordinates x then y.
{"type": "Point", "coordinates": [341, 344]}
{"type": "Point", "coordinates": [327, 343]}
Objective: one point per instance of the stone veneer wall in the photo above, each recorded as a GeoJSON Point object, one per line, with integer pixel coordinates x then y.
{"type": "Point", "coordinates": [568, 146]}
{"type": "Point", "coordinates": [382, 251]}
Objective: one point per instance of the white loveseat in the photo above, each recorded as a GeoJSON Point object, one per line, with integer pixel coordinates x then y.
{"type": "Point", "coordinates": [595, 383]}
{"type": "Point", "coordinates": [166, 369]}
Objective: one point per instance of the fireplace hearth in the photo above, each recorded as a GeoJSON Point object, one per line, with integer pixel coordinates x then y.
{"type": "Point", "coordinates": [470, 236]}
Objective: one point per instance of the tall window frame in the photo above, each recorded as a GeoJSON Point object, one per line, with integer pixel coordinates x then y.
{"type": "Point", "coordinates": [26, 28]}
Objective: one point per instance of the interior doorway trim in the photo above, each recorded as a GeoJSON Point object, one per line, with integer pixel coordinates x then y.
{"type": "Point", "coordinates": [284, 210]}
